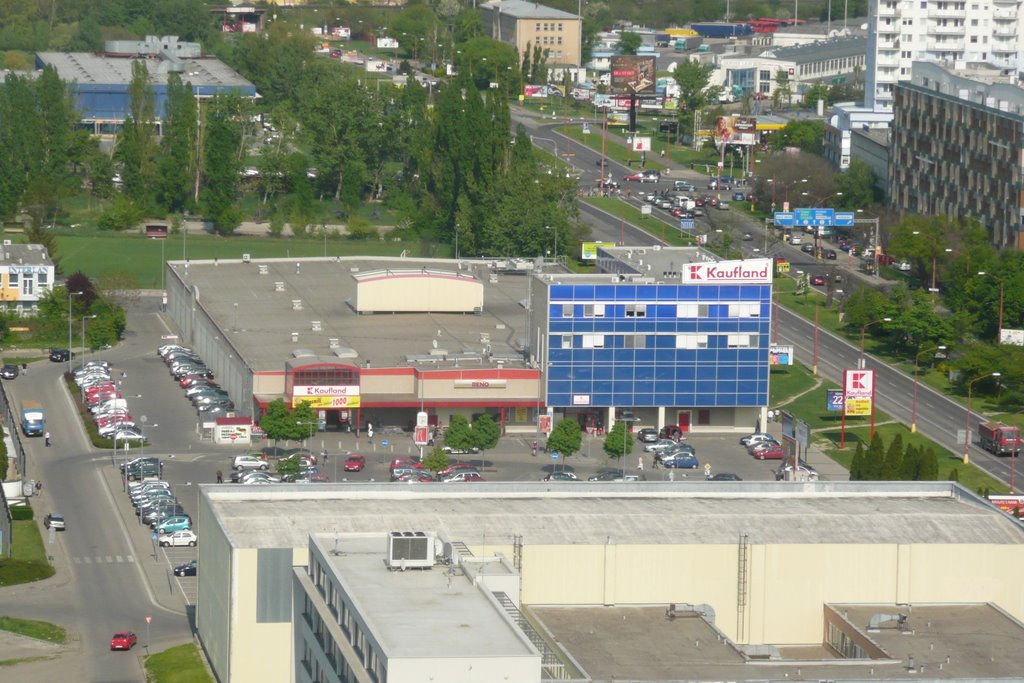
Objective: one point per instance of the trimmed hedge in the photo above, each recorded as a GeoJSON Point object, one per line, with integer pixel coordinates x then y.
{"type": "Point", "coordinates": [83, 412]}
{"type": "Point", "coordinates": [22, 512]}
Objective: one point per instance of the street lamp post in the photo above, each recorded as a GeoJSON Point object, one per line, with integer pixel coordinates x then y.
{"type": "Point", "coordinates": [967, 427]}
{"type": "Point", "coordinates": [863, 329]}
{"type": "Point", "coordinates": [70, 294]}
{"type": "Point", "coordinates": [913, 409]}
{"type": "Point", "coordinates": [84, 347]}
{"type": "Point", "coordinates": [309, 424]}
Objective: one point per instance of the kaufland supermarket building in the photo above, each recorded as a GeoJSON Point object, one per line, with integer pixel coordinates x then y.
{"type": "Point", "coordinates": [665, 335]}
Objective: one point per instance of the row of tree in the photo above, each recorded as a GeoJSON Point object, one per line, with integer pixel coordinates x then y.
{"type": "Point", "coordinates": [895, 463]}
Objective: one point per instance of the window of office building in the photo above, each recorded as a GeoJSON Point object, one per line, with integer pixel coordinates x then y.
{"type": "Point", "coordinates": [636, 310]}
{"type": "Point", "coordinates": [566, 341]}
{"type": "Point", "coordinates": [742, 341]}
{"type": "Point", "coordinates": [744, 310]}
{"type": "Point", "coordinates": [691, 310]}
{"type": "Point", "coordinates": [593, 341]}
{"type": "Point", "coordinates": [566, 310]}
{"type": "Point", "coordinates": [593, 310]}
{"type": "Point", "coordinates": [634, 341]}
{"type": "Point", "coordinates": [691, 341]}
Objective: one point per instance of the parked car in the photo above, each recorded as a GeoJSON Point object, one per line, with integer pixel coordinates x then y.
{"type": "Point", "coordinates": [456, 467]}
{"type": "Point", "coordinates": [248, 462]}
{"type": "Point", "coordinates": [769, 452]}
{"type": "Point", "coordinates": [561, 475]}
{"type": "Point", "coordinates": [472, 450]}
{"type": "Point", "coordinates": [804, 471]}
{"type": "Point", "coordinates": [610, 474]}
{"type": "Point", "coordinates": [123, 640]}
{"type": "Point", "coordinates": [190, 568]}
{"type": "Point", "coordinates": [55, 520]}
{"type": "Point", "coordinates": [726, 476]}
{"type": "Point", "coordinates": [681, 460]}
{"type": "Point", "coordinates": [185, 537]}
{"type": "Point", "coordinates": [755, 437]}
{"type": "Point", "coordinates": [61, 355]}
{"type": "Point", "coordinates": [9, 371]}
{"type": "Point", "coordinates": [661, 446]}
{"type": "Point", "coordinates": [355, 463]}
{"type": "Point", "coordinates": [647, 435]}
{"type": "Point", "coordinates": [463, 475]}
{"type": "Point", "coordinates": [902, 266]}
{"type": "Point", "coordinates": [671, 432]}
{"type": "Point", "coordinates": [172, 524]}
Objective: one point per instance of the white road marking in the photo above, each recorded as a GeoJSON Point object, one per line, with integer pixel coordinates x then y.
{"type": "Point", "coordinates": [87, 560]}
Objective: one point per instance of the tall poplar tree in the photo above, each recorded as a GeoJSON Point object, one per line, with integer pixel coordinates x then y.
{"type": "Point", "coordinates": [136, 145]}
{"type": "Point", "coordinates": [176, 163]}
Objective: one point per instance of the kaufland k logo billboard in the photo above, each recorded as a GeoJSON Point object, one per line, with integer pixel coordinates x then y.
{"type": "Point", "coordinates": [751, 271]}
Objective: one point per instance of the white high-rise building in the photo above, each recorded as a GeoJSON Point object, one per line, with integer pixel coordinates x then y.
{"type": "Point", "coordinates": [954, 31]}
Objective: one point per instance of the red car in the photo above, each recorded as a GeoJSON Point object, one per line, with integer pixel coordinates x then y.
{"type": "Point", "coordinates": [770, 453]}
{"type": "Point", "coordinates": [455, 467]}
{"type": "Point", "coordinates": [355, 463]}
{"type": "Point", "coordinates": [818, 280]}
{"type": "Point", "coordinates": [123, 640]}
{"type": "Point", "coordinates": [406, 462]}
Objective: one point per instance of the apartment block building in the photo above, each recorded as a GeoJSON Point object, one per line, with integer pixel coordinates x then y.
{"type": "Point", "coordinates": [528, 24]}
{"type": "Point", "coordinates": [956, 148]}
{"type": "Point", "coordinates": [956, 31]}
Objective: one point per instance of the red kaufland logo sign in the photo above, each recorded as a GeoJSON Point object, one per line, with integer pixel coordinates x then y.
{"type": "Point", "coordinates": [754, 270]}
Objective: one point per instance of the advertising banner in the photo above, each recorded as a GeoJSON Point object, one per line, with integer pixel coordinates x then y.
{"type": "Point", "coordinates": [321, 402]}
{"type": "Point", "coordinates": [1012, 337]}
{"type": "Point", "coordinates": [582, 94]}
{"type": "Point", "coordinates": [858, 407]}
{"type": "Point", "coordinates": [590, 249]}
{"type": "Point", "coordinates": [328, 390]}
{"type": "Point", "coordinates": [1007, 503]}
{"type": "Point", "coordinates": [736, 130]}
{"type": "Point", "coordinates": [633, 74]}
{"type": "Point", "coordinates": [834, 402]}
{"type": "Point", "coordinates": [640, 144]}
{"type": "Point", "coordinates": [387, 44]}
{"type": "Point", "coordinates": [780, 355]}
{"type": "Point", "coordinates": [758, 271]}
{"type": "Point", "coordinates": [859, 383]}
{"type": "Point", "coordinates": [341, 32]}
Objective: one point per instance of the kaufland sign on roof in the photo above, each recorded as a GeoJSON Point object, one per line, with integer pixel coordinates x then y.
{"type": "Point", "coordinates": [726, 272]}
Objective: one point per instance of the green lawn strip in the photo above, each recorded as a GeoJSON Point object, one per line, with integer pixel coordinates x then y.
{"type": "Point", "coordinates": [788, 381]}
{"type": "Point", "coordinates": [30, 628]}
{"type": "Point", "coordinates": [653, 226]}
{"type": "Point", "coordinates": [969, 476]}
{"type": "Point", "coordinates": [28, 562]}
{"type": "Point", "coordinates": [95, 254]}
{"type": "Point", "coordinates": [181, 664]}
{"type": "Point", "coordinates": [615, 147]}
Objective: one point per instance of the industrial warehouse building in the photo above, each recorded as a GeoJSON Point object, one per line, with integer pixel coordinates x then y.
{"type": "Point", "coordinates": [659, 581]}
{"type": "Point", "coordinates": [99, 82]}
{"type": "Point", "coordinates": [664, 336]}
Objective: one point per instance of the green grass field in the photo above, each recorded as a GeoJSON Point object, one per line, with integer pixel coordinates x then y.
{"type": "Point", "coordinates": [615, 148]}
{"type": "Point", "coordinates": [181, 664]}
{"type": "Point", "coordinates": [100, 253]}
{"type": "Point", "coordinates": [788, 381]}
{"type": "Point", "coordinates": [28, 562]}
{"type": "Point", "coordinates": [652, 225]}
{"type": "Point", "coordinates": [40, 630]}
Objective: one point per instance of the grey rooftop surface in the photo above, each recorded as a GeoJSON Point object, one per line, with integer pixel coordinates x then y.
{"type": "Point", "coordinates": [826, 49]}
{"type": "Point", "coordinates": [664, 264]}
{"type": "Point", "coordinates": [616, 644]}
{"type": "Point", "coordinates": [259, 321]}
{"type": "Point", "coordinates": [463, 622]}
{"type": "Point", "coordinates": [87, 68]}
{"type": "Point", "coordinates": [24, 254]}
{"type": "Point", "coordinates": [283, 516]}
{"type": "Point", "coordinates": [527, 10]}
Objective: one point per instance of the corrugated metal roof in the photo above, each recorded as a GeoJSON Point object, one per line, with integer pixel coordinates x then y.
{"type": "Point", "coordinates": [527, 10]}
{"type": "Point", "coordinates": [816, 52]}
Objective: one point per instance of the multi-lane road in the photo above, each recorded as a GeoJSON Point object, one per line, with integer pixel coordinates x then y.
{"type": "Point", "coordinates": [938, 417]}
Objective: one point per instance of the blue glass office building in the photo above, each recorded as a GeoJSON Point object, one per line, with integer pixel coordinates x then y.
{"type": "Point", "coordinates": [686, 352]}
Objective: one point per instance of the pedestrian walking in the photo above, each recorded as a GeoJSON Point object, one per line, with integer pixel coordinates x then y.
{"type": "Point", "coordinates": [656, 460]}
{"type": "Point", "coordinates": [220, 477]}
{"type": "Point", "coordinates": [323, 454]}
{"type": "Point", "coordinates": [47, 438]}
{"type": "Point", "coordinates": [640, 463]}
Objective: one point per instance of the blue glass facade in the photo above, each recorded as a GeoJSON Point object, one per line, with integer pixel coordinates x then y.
{"type": "Point", "coordinates": [692, 345]}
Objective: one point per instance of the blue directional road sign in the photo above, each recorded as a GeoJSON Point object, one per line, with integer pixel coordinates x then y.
{"type": "Point", "coordinates": [845, 219]}
{"type": "Point", "coordinates": [686, 224]}
{"type": "Point", "coordinates": [806, 217]}
{"type": "Point", "coordinates": [384, 442]}
{"type": "Point", "coordinates": [784, 219]}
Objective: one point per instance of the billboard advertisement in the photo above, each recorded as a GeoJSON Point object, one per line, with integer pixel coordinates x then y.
{"type": "Point", "coordinates": [387, 44]}
{"type": "Point", "coordinates": [590, 249]}
{"type": "Point", "coordinates": [633, 74]}
{"type": "Point", "coordinates": [640, 144]}
{"type": "Point", "coordinates": [736, 130]}
{"type": "Point", "coordinates": [621, 102]}
{"type": "Point", "coordinates": [757, 271]}
{"type": "Point", "coordinates": [859, 392]}
{"type": "Point", "coordinates": [341, 32]}
{"type": "Point", "coordinates": [780, 355]}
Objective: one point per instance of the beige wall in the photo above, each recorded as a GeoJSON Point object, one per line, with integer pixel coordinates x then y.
{"type": "Point", "coordinates": [521, 389]}
{"type": "Point", "coordinates": [527, 33]}
{"type": "Point", "coordinates": [422, 293]}
{"type": "Point", "coordinates": [387, 384]}
{"type": "Point", "coordinates": [259, 652]}
{"type": "Point", "coordinates": [787, 585]}
{"type": "Point", "coordinates": [263, 385]}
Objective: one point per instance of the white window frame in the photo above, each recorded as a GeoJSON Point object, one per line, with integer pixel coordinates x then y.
{"type": "Point", "coordinates": [595, 310]}
{"type": "Point", "coordinates": [691, 310]}
{"type": "Point", "coordinates": [691, 341]}
{"type": "Point", "coordinates": [744, 310]}
{"type": "Point", "coordinates": [636, 310]}
{"type": "Point", "coordinates": [566, 341]}
{"type": "Point", "coordinates": [741, 341]}
{"type": "Point", "coordinates": [593, 341]}
{"type": "Point", "coordinates": [567, 310]}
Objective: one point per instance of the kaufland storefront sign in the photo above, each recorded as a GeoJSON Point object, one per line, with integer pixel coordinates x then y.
{"type": "Point", "coordinates": [727, 272]}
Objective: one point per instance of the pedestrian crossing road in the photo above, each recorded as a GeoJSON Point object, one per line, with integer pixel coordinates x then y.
{"type": "Point", "coordinates": [104, 559]}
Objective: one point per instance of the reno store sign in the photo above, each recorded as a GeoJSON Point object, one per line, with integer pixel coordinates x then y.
{"type": "Point", "coordinates": [480, 383]}
{"type": "Point", "coordinates": [749, 271]}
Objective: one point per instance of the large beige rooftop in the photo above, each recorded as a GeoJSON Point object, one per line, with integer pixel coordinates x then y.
{"type": "Point", "coordinates": [284, 516]}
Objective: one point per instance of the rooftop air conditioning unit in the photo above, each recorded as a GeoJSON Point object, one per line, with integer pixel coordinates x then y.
{"type": "Point", "coordinates": [410, 550]}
